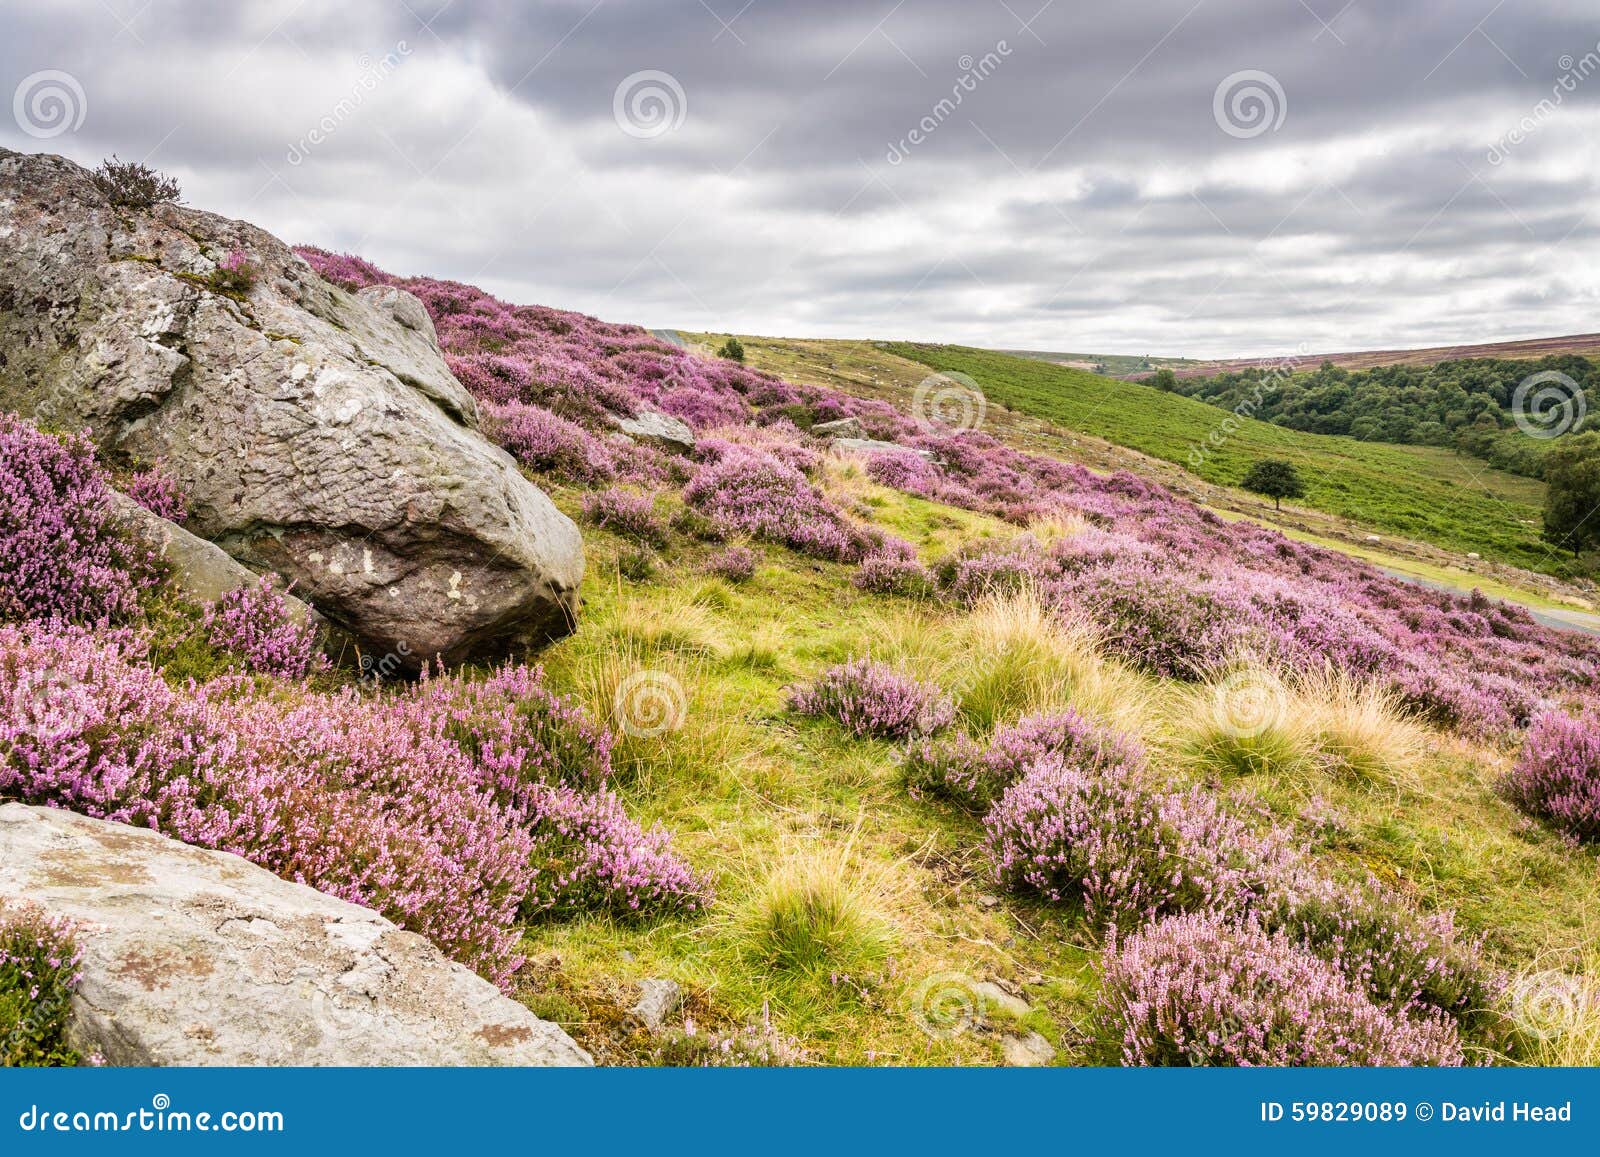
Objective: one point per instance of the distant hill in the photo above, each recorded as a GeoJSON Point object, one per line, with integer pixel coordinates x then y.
{"type": "Point", "coordinates": [1583, 344]}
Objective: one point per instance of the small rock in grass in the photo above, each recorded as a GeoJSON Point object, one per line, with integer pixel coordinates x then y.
{"type": "Point", "coordinates": [657, 1000]}
{"type": "Point", "coordinates": [997, 997]}
{"type": "Point", "coordinates": [1027, 1052]}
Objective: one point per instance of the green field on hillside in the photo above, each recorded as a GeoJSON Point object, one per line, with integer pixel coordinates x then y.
{"type": "Point", "coordinates": [1418, 492]}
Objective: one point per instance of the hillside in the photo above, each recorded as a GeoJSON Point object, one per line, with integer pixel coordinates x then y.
{"type": "Point", "coordinates": [1417, 492]}
{"type": "Point", "coordinates": [866, 740]}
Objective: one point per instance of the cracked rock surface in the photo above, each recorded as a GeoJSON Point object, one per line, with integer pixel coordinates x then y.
{"type": "Point", "coordinates": [195, 957]}
{"type": "Point", "coordinates": [317, 433]}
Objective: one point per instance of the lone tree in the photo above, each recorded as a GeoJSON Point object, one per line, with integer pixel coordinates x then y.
{"type": "Point", "coordinates": [1276, 479]}
{"type": "Point", "coordinates": [732, 349]}
{"type": "Point", "coordinates": [1572, 497]}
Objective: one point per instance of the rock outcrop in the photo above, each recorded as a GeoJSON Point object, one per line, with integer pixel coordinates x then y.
{"type": "Point", "coordinates": [198, 568]}
{"type": "Point", "coordinates": [194, 957]}
{"type": "Point", "coordinates": [316, 433]}
{"type": "Point", "coordinates": [662, 430]}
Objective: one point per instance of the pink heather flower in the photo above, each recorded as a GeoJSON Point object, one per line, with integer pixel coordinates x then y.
{"type": "Point", "coordinates": [873, 699]}
{"type": "Point", "coordinates": [159, 493]}
{"type": "Point", "coordinates": [737, 564]}
{"type": "Point", "coordinates": [255, 624]}
{"type": "Point", "coordinates": [1557, 775]}
{"type": "Point", "coordinates": [62, 552]}
{"type": "Point", "coordinates": [628, 513]}
{"type": "Point", "coordinates": [1195, 990]}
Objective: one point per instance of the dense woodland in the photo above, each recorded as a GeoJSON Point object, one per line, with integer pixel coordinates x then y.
{"type": "Point", "coordinates": [1466, 405]}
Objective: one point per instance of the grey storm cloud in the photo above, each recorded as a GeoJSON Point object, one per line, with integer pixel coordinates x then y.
{"type": "Point", "coordinates": [1026, 173]}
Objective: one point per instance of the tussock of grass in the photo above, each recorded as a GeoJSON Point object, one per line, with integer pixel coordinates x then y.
{"type": "Point", "coordinates": [819, 911]}
{"type": "Point", "coordinates": [1250, 720]}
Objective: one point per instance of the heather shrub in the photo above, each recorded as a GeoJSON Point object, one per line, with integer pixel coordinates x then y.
{"type": "Point", "coordinates": [976, 776]}
{"type": "Point", "coordinates": [592, 856]}
{"type": "Point", "coordinates": [256, 625]}
{"type": "Point", "coordinates": [1194, 990]}
{"type": "Point", "coordinates": [542, 441]}
{"type": "Point", "coordinates": [627, 513]}
{"type": "Point", "coordinates": [159, 493]}
{"type": "Point", "coordinates": [1557, 774]}
{"type": "Point", "coordinates": [888, 574]}
{"type": "Point", "coordinates": [132, 185]}
{"type": "Point", "coordinates": [38, 975]}
{"type": "Point", "coordinates": [518, 731]}
{"type": "Point", "coordinates": [62, 553]}
{"type": "Point", "coordinates": [751, 492]}
{"type": "Point", "coordinates": [1104, 838]}
{"type": "Point", "coordinates": [873, 699]}
{"type": "Point", "coordinates": [235, 274]}
{"type": "Point", "coordinates": [737, 564]}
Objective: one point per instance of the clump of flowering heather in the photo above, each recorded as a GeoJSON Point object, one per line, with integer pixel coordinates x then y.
{"type": "Point", "coordinates": [38, 974]}
{"type": "Point", "coordinates": [518, 731]}
{"type": "Point", "coordinates": [1557, 775]}
{"type": "Point", "coordinates": [751, 492]}
{"type": "Point", "coordinates": [256, 625]}
{"type": "Point", "coordinates": [236, 273]}
{"type": "Point", "coordinates": [869, 698]}
{"type": "Point", "coordinates": [1194, 990]}
{"type": "Point", "coordinates": [159, 493]}
{"type": "Point", "coordinates": [62, 553]}
{"type": "Point", "coordinates": [976, 776]}
{"type": "Point", "coordinates": [737, 564]}
{"type": "Point", "coordinates": [1076, 833]}
{"type": "Point", "coordinates": [628, 513]}
{"type": "Point", "coordinates": [592, 855]}
{"type": "Point", "coordinates": [542, 441]}
{"type": "Point", "coordinates": [890, 574]}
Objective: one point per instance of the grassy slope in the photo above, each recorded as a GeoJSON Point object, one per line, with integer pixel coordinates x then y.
{"type": "Point", "coordinates": [749, 789]}
{"type": "Point", "coordinates": [1420, 492]}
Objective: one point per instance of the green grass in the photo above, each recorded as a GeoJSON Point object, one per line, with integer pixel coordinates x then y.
{"type": "Point", "coordinates": [1417, 492]}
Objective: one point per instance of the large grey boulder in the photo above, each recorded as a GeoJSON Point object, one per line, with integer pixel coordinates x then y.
{"type": "Point", "coordinates": [193, 957]}
{"type": "Point", "coordinates": [317, 433]}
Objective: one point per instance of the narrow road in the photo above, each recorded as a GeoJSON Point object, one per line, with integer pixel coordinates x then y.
{"type": "Point", "coordinates": [1561, 618]}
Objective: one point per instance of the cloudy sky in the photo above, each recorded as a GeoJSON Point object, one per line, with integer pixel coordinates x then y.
{"type": "Point", "coordinates": [1201, 177]}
